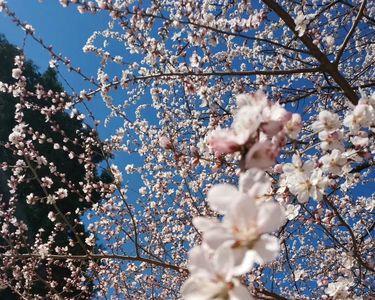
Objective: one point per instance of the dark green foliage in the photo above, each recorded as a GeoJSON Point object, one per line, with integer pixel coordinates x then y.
{"type": "Point", "coordinates": [35, 216]}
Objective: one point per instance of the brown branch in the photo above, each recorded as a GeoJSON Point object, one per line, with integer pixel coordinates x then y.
{"type": "Point", "coordinates": [350, 33]}
{"type": "Point", "coordinates": [363, 167]}
{"type": "Point", "coordinates": [356, 252]}
{"type": "Point", "coordinates": [290, 265]}
{"type": "Point", "coordinates": [213, 73]}
{"type": "Point", "coordinates": [270, 295]}
{"type": "Point", "coordinates": [325, 64]}
{"type": "Point", "coordinates": [97, 257]}
{"type": "Point", "coordinates": [240, 73]}
{"type": "Point", "coordinates": [369, 18]}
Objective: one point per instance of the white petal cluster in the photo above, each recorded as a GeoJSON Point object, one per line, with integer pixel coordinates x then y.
{"type": "Point", "coordinates": [212, 276]}
{"type": "Point", "coordinates": [363, 114]}
{"type": "Point", "coordinates": [335, 162]}
{"type": "Point", "coordinates": [242, 238]}
{"type": "Point", "coordinates": [301, 22]}
{"type": "Point", "coordinates": [310, 179]}
{"type": "Point", "coordinates": [303, 180]}
{"type": "Point", "coordinates": [339, 289]}
{"type": "Point", "coordinates": [328, 126]}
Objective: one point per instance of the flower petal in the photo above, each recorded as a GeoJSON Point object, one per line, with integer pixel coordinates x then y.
{"type": "Point", "coordinates": [255, 182]}
{"type": "Point", "coordinates": [261, 155]}
{"type": "Point", "coordinates": [221, 197]}
{"type": "Point", "coordinates": [197, 288]}
{"type": "Point", "coordinates": [204, 224]}
{"type": "Point", "coordinates": [243, 214]}
{"type": "Point", "coordinates": [244, 259]}
{"type": "Point", "coordinates": [199, 262]}
{"type": "Point", "coordinates": [223, 141]}
{"type": "Point", "coordinates": [214, 232]}
{"type": "Point", "coordinates": [267, 248]}
{"type": "Point", "coordinates": [270, 217]}
{"type": "Point", "coordinates": [223, 261]}
{"type": "Point", "coordinates": [239, 292]}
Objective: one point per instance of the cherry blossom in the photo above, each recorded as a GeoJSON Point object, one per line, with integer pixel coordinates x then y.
{"type": "Point", "coordinates": [301, 23]}
{"type": "Point", "coordinates": [363, 115]}
{"type": "Point", "coordinates": [245, 224]}
{"type": "Point", "coordinates": [292, 211]}
{"type": "Point", "coordinates": [339, 289]}
{"type": "Point", "coordinates": [327, 121]}
{"type": "Point", "coordinates": [304, 180]}
{"type": "Point", "coordinates": [294, 126]}
{"type": "Point", "coordinates": [212, 276]}
{"type": "Point", "coordinates": [262, 155]}
{"type": "Point", "coordinates": [259, 127]}
{"type": "Point", "coordinates": [335, 162]}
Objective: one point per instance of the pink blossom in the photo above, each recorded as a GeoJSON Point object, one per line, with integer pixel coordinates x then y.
{"type": "Point", "coordinates": [224, 141]}
{"type": "Point", "coordinates": [293, 126]}
{"type": "Point", "coordinates": [327, 121]}
{"type": "Point", "coordinates": [165, 142]}
{"type": "Point", "coordinates": [259, 98]}
{"type": "Point", "coordinates": [246, 221]}
{"type": "Point", "coordinates": [274, 118]}
{"type": "Point", "coordinates": [16, 73]}
{"type": "Point", "coordinates": [262, 155]}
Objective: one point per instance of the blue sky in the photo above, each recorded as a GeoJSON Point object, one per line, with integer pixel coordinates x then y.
{"type": "Point", "coordinates": [67, 31]}
{"type": "Point", "coordinates": [64, 28]}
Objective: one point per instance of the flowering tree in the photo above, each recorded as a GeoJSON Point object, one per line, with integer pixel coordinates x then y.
{"type": "Point", "coordinates": [247, 131]}
{"type": "Point", "coordinates": [37, 217]}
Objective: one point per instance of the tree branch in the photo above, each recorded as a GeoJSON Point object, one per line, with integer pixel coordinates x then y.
{"type": "Point", "coordinates": [213, 73]}
{"type": "Point", "coordinates": [370, 19]}
{"type": "Point", "coordinates": [356, 252]}
{"type": "Point", "coordinates": [96, 257]}
{"type": "Point", "coordinates": [350, 33]}
{"type": "Point", "coordinates": [325, 64]}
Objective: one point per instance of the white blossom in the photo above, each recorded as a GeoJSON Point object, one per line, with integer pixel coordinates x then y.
{"type": "Point", "coordinates": [212, 276]}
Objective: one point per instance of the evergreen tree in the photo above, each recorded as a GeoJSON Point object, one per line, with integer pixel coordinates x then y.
{"type": "Point", "coordinates": [35, 216]}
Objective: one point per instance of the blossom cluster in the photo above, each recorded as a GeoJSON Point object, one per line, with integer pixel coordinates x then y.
{"type": "Point", "coordinates": [241, 239]}
{"type": "Point", "coordinates": [232, 246]}
{"type": "Point", "coordinates": [311, 178]}
{"type": "Point", "coordinates": [259, 129]}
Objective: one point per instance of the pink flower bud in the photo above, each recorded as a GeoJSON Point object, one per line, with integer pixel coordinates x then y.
{"type": "Point", "coordinates": [262, 155]}
{"type": "Point", "coordinates": [278, 168]}
{"type": "Point", "coordinates": [165, 142]}
{"type": "Point", "coordinates": [223, 141]}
